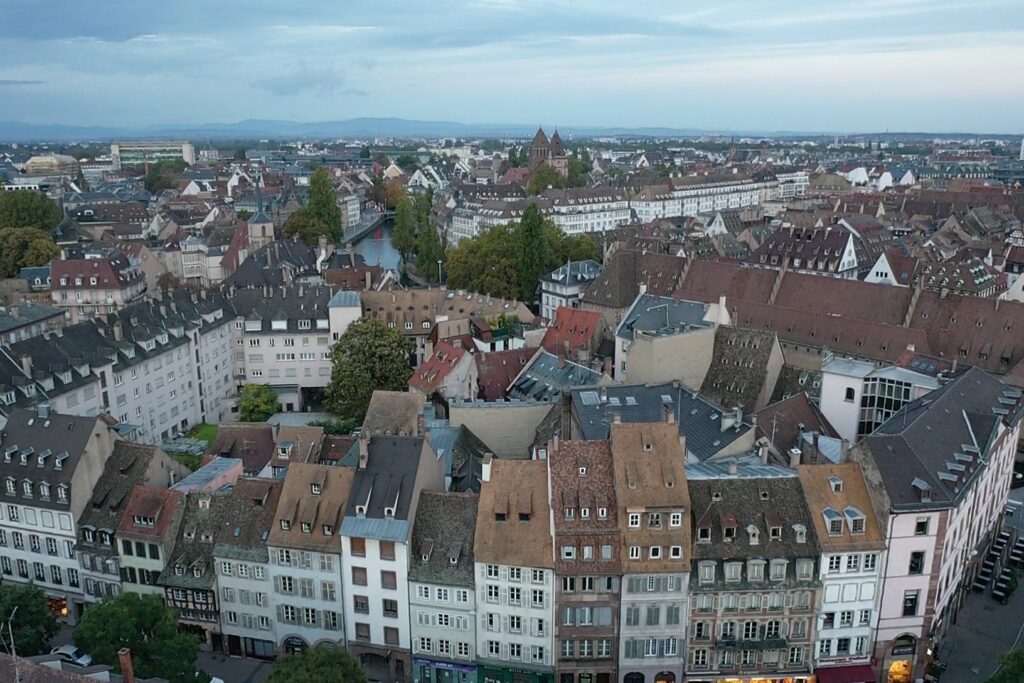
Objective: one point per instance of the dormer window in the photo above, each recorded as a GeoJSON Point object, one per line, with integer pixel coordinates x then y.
{"type": "Point", "coordinates": [26, 488]}
{"type": "Point", "coordinates": [314, 489]}
{"type": "Point", "coordinates": [389, 512]}
{"type": "Point", "coordinates": [197, 572]}
{"type": "Point", "coordinates": [654, 520]}
{"type": "Point", "coordinates": [833, 521]}
{"type": "Point", "coordinates": [179, 570]}
{"type": "Point", "coordinates": [836, 484]}
{"type": "Point", "coordinates": [206, 537]}
{"type": "Point", "coordinates": [754, 534]}
{"type": "Point", "coordinates": [801, 533]}
{"type": "Point", "coordinates": [704, 534]}
{"type": "Point", "coordinates": [855, 518]}
{"type": "Point", "coordinates": [729, 533]}
{"type": "Point", "coordinates": [44, 490]}
{"type": "Point", "coordinates": [12, 487]}
{"type": "Point", "coordinates": [583, 470]}
{"type": "Point", "coordinates": [285, 525]}
{"type": "Point", "coordinates": [602, 513]}
{"type": "Point", "coordinates": [569, 513]}
{"type": "Point", "coordinates": [328, 530]}
{"type": "Point", "coordinates": [307, 528]}
{"type": "Point", "coordinates": [88, 535]}
{"type": "Point", "coordinates": [105, 538]}
{"type": "Point", "coordinates": [584, 513]}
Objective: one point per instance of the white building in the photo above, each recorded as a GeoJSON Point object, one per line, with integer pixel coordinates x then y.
{"type": "Point", "coordinates": [514, 560]}
{"type": "Point", "coordinates": [853, 551]}
{"type": "Point", "coordinates": [442, 596]}
{"type": "Point", "coordinates": [565, 286]}
{"type": "Point", "coordinates": [50, 464]}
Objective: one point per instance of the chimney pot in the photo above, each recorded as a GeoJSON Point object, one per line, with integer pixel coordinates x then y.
{"type": "Point", "coordinates": [124, 657]}
{"type": "Point", "coordinates": [485, 467]}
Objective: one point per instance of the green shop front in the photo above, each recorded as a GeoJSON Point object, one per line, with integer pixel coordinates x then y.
{"type": "Point", "coordinates": [425, 670]}
{"type": "Point", "coordinates": [488, 673]}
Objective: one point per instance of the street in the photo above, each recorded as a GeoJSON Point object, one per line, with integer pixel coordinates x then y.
{"type": "Point", "coordinates": [984, 629]}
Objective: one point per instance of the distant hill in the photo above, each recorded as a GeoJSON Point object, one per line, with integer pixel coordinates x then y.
{"type": "Point", "coordinates": [14, 131]}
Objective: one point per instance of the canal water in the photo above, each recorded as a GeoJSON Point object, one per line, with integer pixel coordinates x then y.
{"type": "Point", "coordinates": [376, 250]}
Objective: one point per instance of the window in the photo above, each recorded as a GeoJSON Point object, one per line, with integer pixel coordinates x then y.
{"type": "Point", "coordinates": [755, 570]}
{"type": "Point", "coordinates": [358, 546]}
{"type": "Point", "coordinates": [852, 563]}
{"type": "Point", "coordinates": [700, 658]}
{"type": "Point", "coordinates": [568, 552]}
{"type": "Point", "coordinates": [701, 630]}
{"type": "Point", "coordinates": [921, 528]}
{"type": "Point", "coordinates": [634, 520]}
{"type": "Point", "coordinates": [359, 576]}
{"type": "Point", "coordinates": [870, 562]}
{"type": "Point", "coordinates": [390, 608]}
{"type": "Point", "coordinates": [865, 617]}
{"type": "Point", "coordinates": [846, 618]}
{"type": "Point", "coordinates": [910, 603]}
{"type": "Point", "coordinates": [675, 519]}
{"type": "Point", "coordinates": [796, 655]}
{"type": "Point", "coordinates": [536, 598]}
{"type": "Point", "coordinates": [704, 534]}
{"type": "Point", "coordinates": [732, 571]}
{"type": "Point", "coordinates": [654, 520]}
{"type": "Point", "coordinates": [834, 563]}
{"type": "Point", "coordinates": [361, 604]}
{"type": "Point", "coordinates": [492, 571]}
{"type": "Point", "coordinates": [655, 552]}
{"type": "Point", "coordinates": [707, 572]}
{"type": "Point", "coordinates": [849, 395]}
{"type": "Point", "coordinates": [634, 552]}
{"type": "Point", "coordinates": [388, 580]}
{"type": "Point", "coordinates": [387, 550]}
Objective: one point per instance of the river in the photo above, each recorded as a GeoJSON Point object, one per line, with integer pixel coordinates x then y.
{"type": "Point", "coordinates": [379, 250]}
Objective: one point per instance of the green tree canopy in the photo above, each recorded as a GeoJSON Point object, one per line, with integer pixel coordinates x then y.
{"type": "Point", "coordinates": [1011, 667]}
{"type": "Point", "coordinates": [428, 253]}
{"type": "Point", "coordinates": [143, 624]}
{"type": "Point", "coordinates": [531, 257]}
{"type": "Point", "coordinates": [34, 624]}
{"type": "Point", "coordinates": [407, 162]}
{"type": "Point", "coordinates": [490, 262]}
{"type": "Point", "coordinates": [27, 209]}
{"type": "Point", "coordinates": [364, 152]}
{"type": "Point", "coordinates": [369, 356]}
{"type": "Point", "coordinates": [403, 236]}
{"type": "Point", "coordinates": [256, 403]}
{"type": "Point", "coordinates": [579, 167]}
{"type": "Point", "coordinates": [305, 227]}
{"type": "Point", "coordinates": [322, 664]}
{"type": "Point", "coordinates": [323, 203]}
{"type": "Point", "coordinates": [163, 175]}
{"type": "Point", "coordinates": [243, 215]}
{"type": "Point", "coordinates": [21, 247]}
{"type": "Point", "coordinates": [544, 177]}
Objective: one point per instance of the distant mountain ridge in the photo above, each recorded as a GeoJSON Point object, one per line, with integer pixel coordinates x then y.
{"type": "Point", "coordinates": [367, 127]}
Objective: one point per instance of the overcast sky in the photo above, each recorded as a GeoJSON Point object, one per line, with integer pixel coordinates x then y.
{"type": "Point", "coordinates": [869, 65]}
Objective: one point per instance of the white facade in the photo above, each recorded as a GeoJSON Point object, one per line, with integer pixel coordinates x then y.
{"type": "Point", "coordinates": [515, 615]}
{"type": "Point", "coordinates": [443, 622]}
{"type": "Point", "coordinates": [306, 596]}
{"type": "Point", "coordinates": [667, 595]}
{"type": "Point", "coordinates": [848, 615]}
{"type": "Point", "coordinates": [38, 546]}
{"type": "Point", "coordinates": [376, 585]}
{"type": "Point", "coordinates": [246, 609]}
{"type": "Point", "coordinates": [298, 357]}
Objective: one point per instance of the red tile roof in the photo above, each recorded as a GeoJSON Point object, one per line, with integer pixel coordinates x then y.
{"type": "Point", "coordinates": [436, 367]}
{"type": "Point", "coordinates": [148, 501]}
{"type": "Point", "coordinates": [497, 369]}
{"type": "Point", "coordinates": [571, 330]}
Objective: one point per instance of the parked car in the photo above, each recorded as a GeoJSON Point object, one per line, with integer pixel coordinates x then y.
{"type": "Point", "coordinates": [75, 655]}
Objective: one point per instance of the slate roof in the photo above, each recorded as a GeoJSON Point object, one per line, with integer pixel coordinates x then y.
{"type": "Point", "coordinates": [780, 422]}
{"type": "Point", "coordinates": [386, 481]}
{"type": "Point", "coordinates": [761, 502]}
{"type": "Point", "coordinates": [546, 376]}
{"type": "Point", "coordinates": [574, 273]}
{"type": "Point", "coordinates": [697, 419]}
{"type": "Point", "coordinates": [54, 439]}
{"type": "Point", "coordinates": [659, 315]}
{"type": "Point", "coordinates": [268, 265]}
{"type": "Point", "coordinates": [619, 283]}
{"type": "Point", "coordinates": [28, 313]}
{"type": "Point", "coordinates": [393, 412]}
{"type": "Point", "coordinates": [125, 469]}
{"type": "Point", "coordinates": [290, 303]}
{"type": "Point", "coordinates": [442, 539]}
{"type": "Point", "coordinates": [940, 442]}
{"type": "Point", "coordinates": [463, 453]}
{"type": "Point", "coordinates": [248, 539]}
{"type": "Point", "coordinates": [251, 443]}
{"type": "Point", "coordinates": [497, 369]}
{"type": "Point", "coordinates": [739, 367]}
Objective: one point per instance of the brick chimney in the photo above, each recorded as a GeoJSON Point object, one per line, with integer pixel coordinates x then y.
{"type": "Point", "coordinates": [124, 656]}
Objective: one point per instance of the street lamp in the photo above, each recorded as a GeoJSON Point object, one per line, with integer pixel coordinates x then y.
{"type": "Point", "coordinates": [438, 271]}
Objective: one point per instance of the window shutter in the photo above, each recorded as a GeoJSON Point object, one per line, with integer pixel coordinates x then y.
{"type": "Point", "coordinates": [743, 602]}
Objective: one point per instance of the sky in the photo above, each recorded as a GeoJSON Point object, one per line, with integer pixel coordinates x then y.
{"type": "Point", "coordinates": [767, 65]}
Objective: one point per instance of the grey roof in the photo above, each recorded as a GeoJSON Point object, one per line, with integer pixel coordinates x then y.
{"type": "Point", "coordinates": [27, 314]}
{"type": "Point", "coordinates": [575, 273]}
{"type": "Point", "coordinates": [442, 539]}
{"type": "Point", "coordinates": [699, 419]}
{"type": "Point", "coordinates": [345, 298]}
{"type": "Point", "coordinates": [748, 466]}
{"type": "Point", "coordinates": [463, 455]}
{"type": "Point", "coordinates": [298, 419]}
{"type": "Point", "coordinates": [547, 376]}
{"type": "Point", "coordinates": [395, 530]}
{"type": "Point", "coordinates": [741, 502]}
{"type": "Point", "coordinates": [283, 303]}
{"type": "Point", "coordinates": [662, 315]}
{"type": "Point", "coordinates": [52, 438]}
{"type": "Point", "coordinates": [125, 468]}
{"type": "Point", "coordinates": [267, 265]}
{"type": "Point", "coordinates": [387, 480]}
{"type": "Point", "coordinates": [205, 474]}
{"type": "Point", "coordinates": [939, 443]}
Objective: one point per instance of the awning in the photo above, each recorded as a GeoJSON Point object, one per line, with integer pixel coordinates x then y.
{"type": "Point", "coordinates": [860, 673]}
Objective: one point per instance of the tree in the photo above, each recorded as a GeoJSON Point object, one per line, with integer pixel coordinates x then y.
{"type": "Point", "coordinates": [22, 247]}
{"type": "Point", "coordinates": [428, 253]}
{"type": "Point", "coordinates": [26, 209]}
{"type": "Point", "coordinates": [394, 192]}
{"type": "Point", "coordinates": [307, 228]}
{"type": "Point", "coordinates": [324, 664]}
{"type": "Point", "coordinates": [407, 162]}
{"type": "Point", "coordinates": [256, 403]}
{"type": "Point", "coordinates": [163, 175]}
{"type": "Point", "coordinates": [364, 152]}
{"type": "Point", "coordinates": [1011, 667]}
{"type": "Point", "coordinates": [369, 356]}
{"type": "Point", "coordinates": [531, 260]}
{"type": "Point", "coordinates": [323, 203]}
{"type": "Point", "coordinates": [490, 262]}
{"type": "Point", "coordinates": [544, 177]}
{"type": "Point", "coordinates": [143, 624]}
{"type": "Point", "coordinates": [243, 215]}
{"type": "Point", "coordinates": [403, 237]}
{"type": "Point", "coordinates": [579, 168]}
{"type": "Point", "coordinates": [34, 624]}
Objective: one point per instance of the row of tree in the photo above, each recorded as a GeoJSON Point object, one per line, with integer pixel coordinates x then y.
{"type": "Point", "coordinates": [415, 236]}
{"type": "Point", "coordinates": [509, 260]}
{"type": "Point", "coordinates": [321, 216]}
{"type": "Point", "coordinates": [149, 628]}
{"type": "Point", "coordinates": [27, 223]}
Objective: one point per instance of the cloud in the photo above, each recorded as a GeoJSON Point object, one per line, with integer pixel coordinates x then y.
{"type": "Point", "coordinates": [14, 83]}
{"type": "Point", "coordinates": [321, 82]}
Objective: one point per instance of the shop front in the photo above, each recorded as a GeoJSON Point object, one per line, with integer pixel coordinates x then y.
{"type": "Point", "coordinates": [851, 673]}
{"type": "Point", "coordinates": [899, 661]}
{"type": "Point", "coordinates": [439, 671]}
{"type": "Point", "coordinates": [511, 674]}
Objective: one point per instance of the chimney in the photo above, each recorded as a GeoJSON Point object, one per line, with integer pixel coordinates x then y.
{"type": "Point", "coordinates": [43, 410]}
{"type": "Point", "coordinates": [733, 467]}
{"type": "Point", "coordinates": [364, 450]}
{"type": "Point", "coordinates": [794, 457]}
{"type": "Point", "coordinates": [13, 310]}
{"type": "Point", "coordinates": [124, 657]}
{"type": "Point", "coordinates": [26, 364]}
{"type": "Point", "coordinates": [739, 416]}
{"type": "Point", "coordinates": [369, 280]}
{"type": "Point", "coordinates": [485, 467]}
{"type": "Point", "coordinates": [301, 291]}
{"type": "Point", "coordinates": [762, 451]}
{"type": "Point", "coordinates": [617, 418]}
{"type": "Point", "coordinates": [554, 443]}
{"type": "Point", "coordinates": [118, 333]}
{"type": "Point", "coordinates": [911, 348]}
{"type": "Point", "coordinates": [670, 415]}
